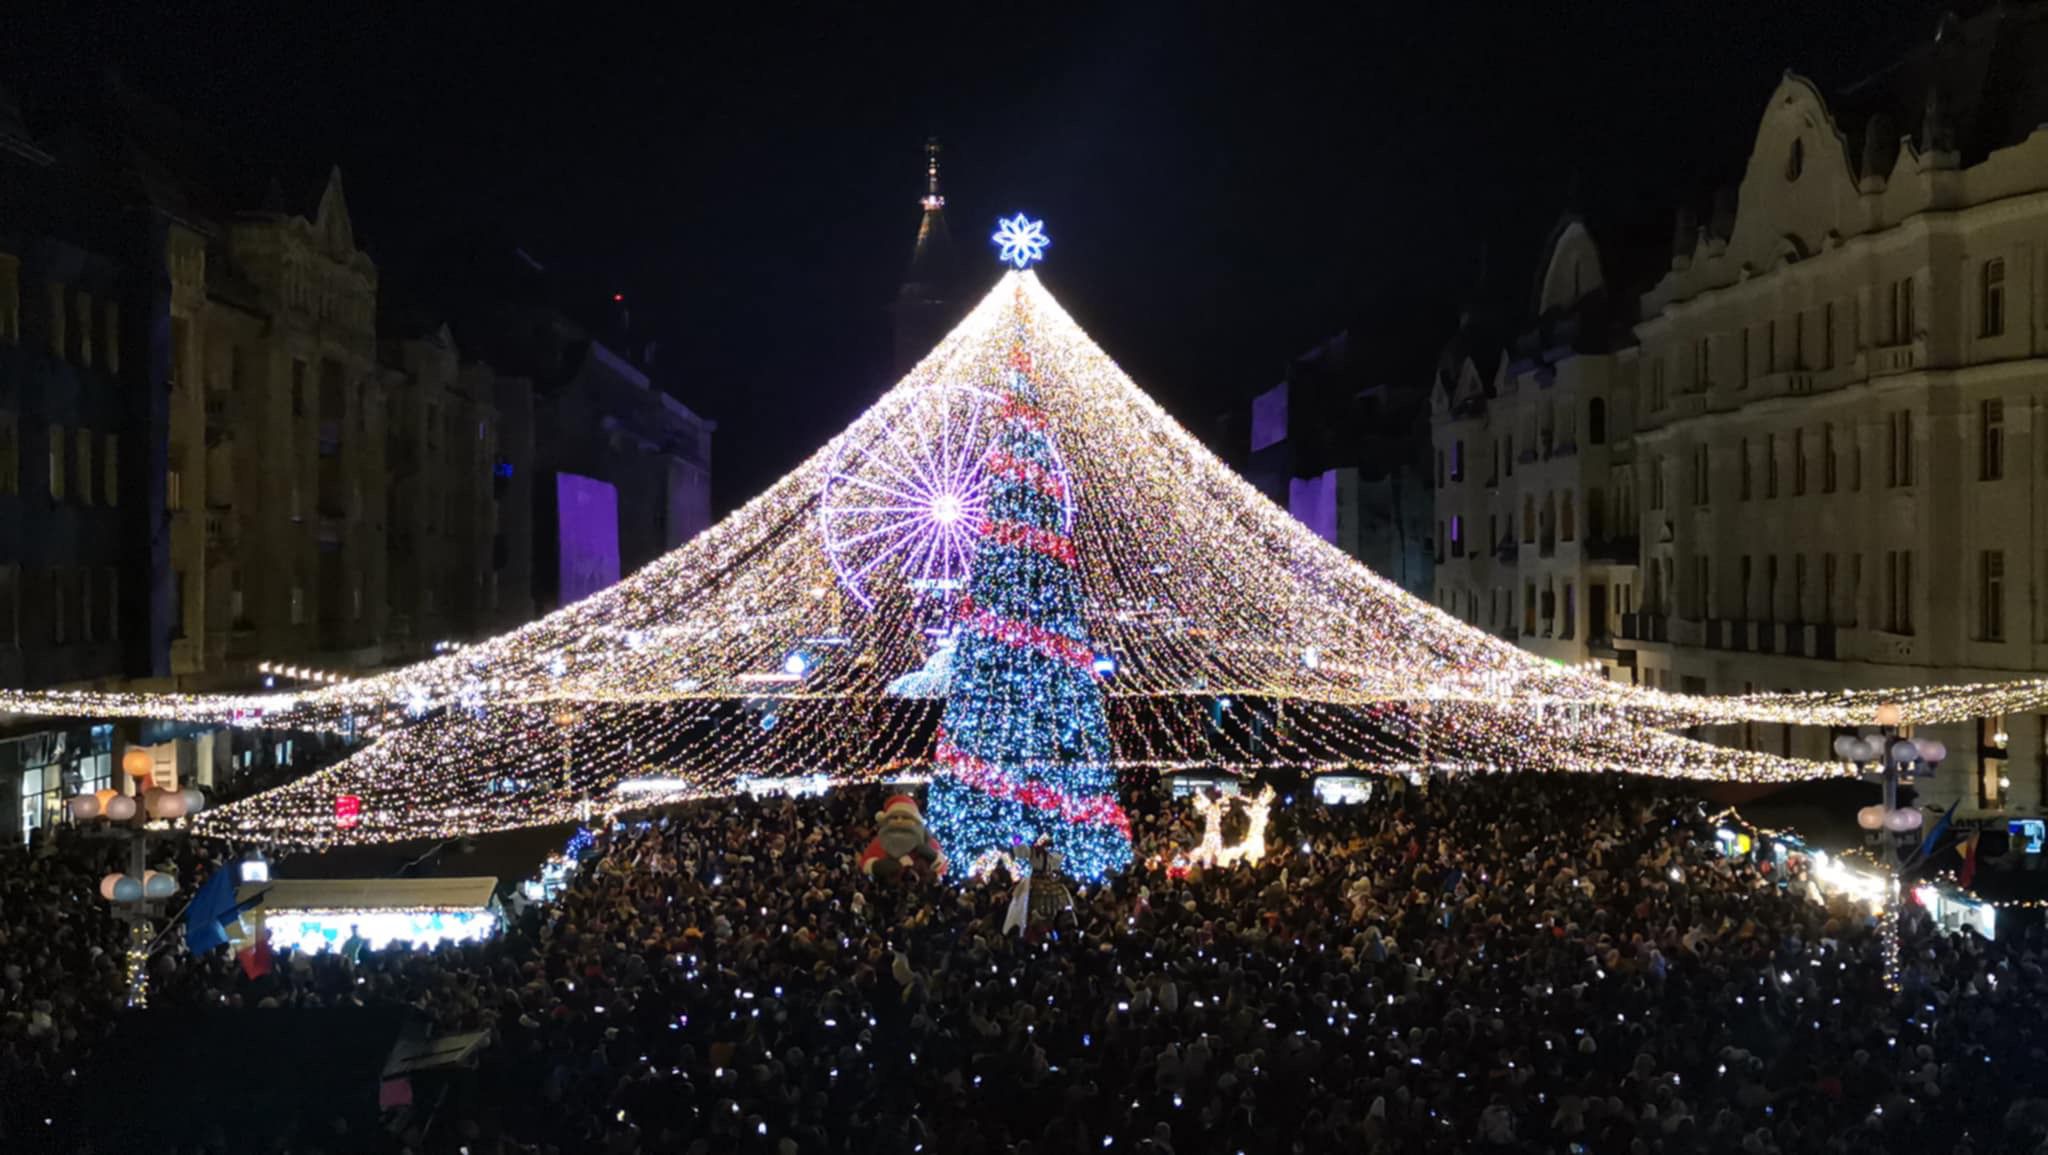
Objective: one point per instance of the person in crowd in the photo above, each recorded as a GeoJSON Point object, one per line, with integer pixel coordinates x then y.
{"type": "Point", "coordinates": [1503, 964]}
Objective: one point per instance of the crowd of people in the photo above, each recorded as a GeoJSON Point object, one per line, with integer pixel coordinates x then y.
{"type": "Point", "coordinates": [1512, 963]}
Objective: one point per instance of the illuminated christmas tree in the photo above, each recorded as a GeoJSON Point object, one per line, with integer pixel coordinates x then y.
{"type": "Point", "coordinates": [1024, 749]}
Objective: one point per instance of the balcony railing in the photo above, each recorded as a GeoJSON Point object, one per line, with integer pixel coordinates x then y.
{"type": "Point", "coordinates": [1644, 627]}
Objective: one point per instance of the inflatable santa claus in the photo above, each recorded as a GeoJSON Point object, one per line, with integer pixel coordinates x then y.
{"type": "Point", "coordinates": [901, 842]}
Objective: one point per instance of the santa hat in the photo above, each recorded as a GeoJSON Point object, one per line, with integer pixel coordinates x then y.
{"type": "Point", "coordinates": [901, 803]}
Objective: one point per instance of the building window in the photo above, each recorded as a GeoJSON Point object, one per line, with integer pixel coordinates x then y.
{"type": "Point", "coordinates": [1853, 608]}
{"type": "Point", "coordinates": [1770, 606]}
{"type": "Point", "coordinates": [85, 477]}
{"type": "Point", "coordinates": [56, 292]}
{"type": "Point", "coordinates": [1702, 480]}
{"type": "Point", "coordinates": [1439, 469]}
{"type": "Point", "coordinates": [1898, 591]}
{"type": "Point", "coordinates": [1991, 439]}
{"type": "Point", "coordinates": [85, 599]}
{"type": "Point", "coordinates": [1656, 385]}
{"type": "Point", "coordinates": [1510, 442]}
{"type": "Point", "coordinates": [1702, 587]}
{"type": "Point", "coordinates": [10, 605]}
{"type": "Point", "coordinates": [10, 299]}
{"type": "Point", "coordinates": [1771, 345]}
{"type": "Point", "coordinates": [56, 463]}
{"type": "Point", "coordinates": [1799, 339]}
{"type": "Point", "coordinates": [10, 454]}
{"type": "Point", "coordinates": [110, 470]}
{"type": "Point", "coordinates": [1745, 587]}
{"type": "Point", "coordinates": [1703, 364]}
{"type": "Point", "coordinates": [110, 603]}
{"type": "Point", "coordinates": [1457, 455]}
{"type": "Point", "coordinates": [1993, 777]}
{"type": "Point", "coordinates": [1770, 465]}
{"type": "Point", "coordinates": [1567, 524]}
{"type": "Point", "coordinates": [1799, 463]}
{"type": "Point", "coordinates": [1827, 459]}
{"type": "Point", "coordinates": [298, 607]}
{"type": "Point", "coordinates": [1991, 595]}
{"type": "Point", "coordinates": [1899, 455]}
{"type": "Point", "coordinates": [83, 302]}
{"type": "Point", "coordinates": [174, 488]}
{"type": "Point", "coordinates": [1528, 517]}
{"type": "Point", "coordinates": [1596, 421]}
{"type": "Point", "coordinates": [177, 604]}
{"type": "Point", "coordinates": [1656, 484]}
{"type": "Point", "coordinates": [1827, 587]}
{"type": "Point", "coordinates": [58, 611]}
{"type": "Point", "coordinates": [1569, 627]}
{"type": "Point", "coordinates": [1742, 449]}
{"type": "Point", "coordinates": [1795, 159]}
{"type": "Point", "coordinates": [1798, 587]}
{"type": "Point", "coordinates": [1903, 325]}
{"type": "Point", "coordinates": [238, 615]}
{"type": "Point", "coordinates": [1827, 335]}
{"type": "Point", "coordinates": [298, 388]}
{"type": "Point", "coordinates": [110, 339]}
{"type": "Point", "coordinates": [181, 350]}
{"type": "Point", "coordinates": [1991, 292]}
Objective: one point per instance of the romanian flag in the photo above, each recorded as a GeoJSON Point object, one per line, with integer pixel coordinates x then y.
{"type": "Point", "coordinates": [1969, 870]}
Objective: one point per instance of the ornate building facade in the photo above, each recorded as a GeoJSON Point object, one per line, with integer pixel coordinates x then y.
{"type": "Point", "coordinates": [1818, 464]}
{"type": "Point", "coordinates": [1534, 508]}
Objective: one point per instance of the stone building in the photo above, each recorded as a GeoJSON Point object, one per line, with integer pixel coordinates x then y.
{"type": "Point", "coordinates": [1820, 466]}
{"type": "Point", "coordinates": [275, 472]}
{"type": "Point", "coordinates": [80, 422]}
{"type": "Point", "coordinates": [1536, 541]}
{"type": "Point", "coordinates": [449, 508]}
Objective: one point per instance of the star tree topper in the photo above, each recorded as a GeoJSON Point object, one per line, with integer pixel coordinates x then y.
{"type": "Point", "coordinates": [1020, 240]}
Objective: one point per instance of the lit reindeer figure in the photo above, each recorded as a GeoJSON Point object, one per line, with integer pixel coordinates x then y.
{"type": "Point", "coordinates": [1212, 852]}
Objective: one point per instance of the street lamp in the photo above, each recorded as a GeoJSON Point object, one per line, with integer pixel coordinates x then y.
{"type": "Point", "coordinates": [138, 894]}
{"type": "Point", "coordinates": [1888, 757]}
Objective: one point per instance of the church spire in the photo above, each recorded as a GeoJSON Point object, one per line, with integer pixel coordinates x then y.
{"type": "Point", "coordinates": [924, 304]}
{"type": "Point", "coordinates": [933, 202]}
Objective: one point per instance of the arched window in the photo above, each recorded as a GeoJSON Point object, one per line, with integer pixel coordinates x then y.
{"type": "Point", "coordinates": [1596, 421]}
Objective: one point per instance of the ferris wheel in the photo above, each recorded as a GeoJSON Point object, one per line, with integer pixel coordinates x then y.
{"type": "Point", "coordinates": [904, 506]}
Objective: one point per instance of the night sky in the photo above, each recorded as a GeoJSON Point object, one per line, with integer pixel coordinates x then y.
{"type": "Point", "coordinates": [1222, 190]}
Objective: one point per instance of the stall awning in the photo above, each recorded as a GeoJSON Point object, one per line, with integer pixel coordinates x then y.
{"type": "Point", "coordinates": [370, 894]}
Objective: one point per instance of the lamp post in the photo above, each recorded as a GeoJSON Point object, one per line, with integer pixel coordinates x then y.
{"type": "Point", "coordinates": [1890, 758]}
{"type": "Point", "coordinates": [138, 895]}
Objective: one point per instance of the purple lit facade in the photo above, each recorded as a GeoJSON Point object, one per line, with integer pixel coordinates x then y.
{"type": "Point", "coordinates": [587, 535]}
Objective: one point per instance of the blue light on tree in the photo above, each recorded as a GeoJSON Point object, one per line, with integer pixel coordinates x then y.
{"type": "Point", "coordinates": [1020, 240]}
